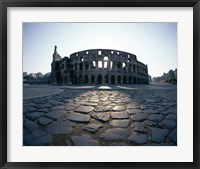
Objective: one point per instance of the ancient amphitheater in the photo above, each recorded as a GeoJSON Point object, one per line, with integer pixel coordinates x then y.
{"type": "Point", "coordinates": [98, 66]}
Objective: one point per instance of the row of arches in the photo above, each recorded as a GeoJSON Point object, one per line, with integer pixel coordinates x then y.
{"type": "Point", "coordinates": [100, 79]}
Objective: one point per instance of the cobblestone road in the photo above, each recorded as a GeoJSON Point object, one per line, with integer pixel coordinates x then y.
{"type": "Point", "coordinates": [102, 118]}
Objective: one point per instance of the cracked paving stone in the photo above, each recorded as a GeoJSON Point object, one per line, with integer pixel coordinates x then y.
{"type": "Point", "coordinates": [30, 126]}
{"type": "Point", "coordinates": [60, 127]}
{"type": "Point", "coordinates": [120, 123]}
{"type": "Point", "coordinates": [34, 115]}
{"type": "Point", "coordinates": [93, 128]}
{"type": "Point", "coordinates": [104, 117]}
{"type": "Point", "coordinates": [134, 111]}
{"type": "Point", "coordinates": [169, 124]}
{"type": "Point", "coordinates": [138, 138]}
{"type": "Point", "coordinates": [139, 117]}
{"type": "Point", "coordinates": [155, 117]}
{"type": "Point", "coordinates": [174, 136]}
{"type": "Point", "coordinates": [83, 140]}
{"type": "Point", "coordinates": [114, 134]}
{"type": "Point", "coordinates": [84, 109]}
{"type": "Point", "coordinates": [119, 115]}
{"type": "Point", "coordinates": [56, 114]}
{"type": "Point", "coordinates": [44, 121]}
{"type": "Point", "coordinates": [140, 128]}
{"type": "Point", "coordinates": [57, 108]}
{"type": "Point", "coordinates": [159, 135]}
{"type": "Point", "coordinates": [78, 117]}
{"type": "Point", "coordinates": [119, 108]}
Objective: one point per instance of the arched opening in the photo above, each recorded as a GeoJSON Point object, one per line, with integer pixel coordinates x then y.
{"type": "Point", "coordinates": [86, 79]}
{"type": "Point", "coordinates": [129, 67]}
{"type": "Point", "coordinates": [71, 66]}
{"type": "Point", "coordinates": [80, 79]}
{"type": "Point", "coordinates": [93, 64]}
{"type": "Point", "coordinates": [119, 79]}
{"type": "Point", "coordinates": [124, 66]}
{"type": "Point", "coordinates": [58, 76]}
{"type": "Point", "coordinates": [86, 65]}
{"type": "Point", "coordinates": [76, 66]}
{"type": "Point", "coordinates": [130, 80]}
{"type": "Point", "coordinates": [124, 80]}
{"type": "Point", "coordinates": [113, 65]}
{"type": "Point", "coordinates": [119, 65]}
{"type": "Point", "coordinates": [133, 68]}
{"type": "Point", "coordinates": [112, 79]}
{"type": "Point", "coordinates": [134, 80]}
{"type": "Point", "coordinates": [81, 66]}
{"type": "Point", "coordinates": [105, 58]}
{"type": "Point", "coordinates": [65, 79]}
{"type": "Point", "coordinates": [75, 80]}
{"type": "Point", "coordinates": [81, 59]}
{"type": "Point", "coordinates": [105, 65]}
{"type": "Point", "coordinates": [92, 79]}
{"type": "Point", "coordinates": [138, 80]}
{"type": "Point", "coordinates": [99, 79]}
{"type": "Point", "coordinates": [99, 64]}
{"type": "Point", "coordinates": [106, 79]}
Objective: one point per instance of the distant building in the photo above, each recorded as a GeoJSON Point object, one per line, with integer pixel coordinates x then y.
{"type": "Point", "coordinates": [98, 66]}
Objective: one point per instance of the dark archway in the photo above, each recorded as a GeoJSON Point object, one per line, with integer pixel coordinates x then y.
{"type": "Point", "coordinates": [99, 79]}
{"type": "Point", "coordinates": [112, 79]}
{"type": "Point", "coordinates": [134, 80]}
{"type": "Point", "coordinates": [80, 79]}
{"type": "Point", "coordinates": [130, 80]}
{"type": "Point", "coordinates": [75, 80]}
{"type": "Point", "coordinates": [119, 79]}
{"type": "Point", "coordinates": [86, 79]}
{"type": "Point", "coordinates": [138, 80]}
{"type": "Point", "coordinates": [81, 66]}
{"type": "Point", "coordinates": [92, 79]}
{"type": "Point", "coordinates": [58, 78]}
{"type": "Point", "coordinates": [106, 79]}
{"type": "Point", "coordinates": [124, 80]}
{"type": "Point", "coordinates": [65, 79]}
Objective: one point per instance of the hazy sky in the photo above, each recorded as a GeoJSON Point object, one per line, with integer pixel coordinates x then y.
{"type": "Point", "coordinates": [154, 44]}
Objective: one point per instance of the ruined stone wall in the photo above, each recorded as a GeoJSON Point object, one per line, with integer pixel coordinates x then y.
{"type": "Point", "coordinates": [107, 66]}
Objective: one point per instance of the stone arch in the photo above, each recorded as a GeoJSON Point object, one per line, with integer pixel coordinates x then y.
{"type": "Point", "coordinates": [100, 64]}
{"type": "Point", "coordinates": [81, 66]}
{"type": "Point", "coordinates": [134, 80]}
{"type": "Point", "coordinates": [119, 65]}
{"type": "Point", "coordinates": [92, 79]}
{"type": "Point", "coordinates": [86, 79]}
{"type": "Point", "coordinates": [138, 80]}
{"type": "Point", "coordinates": [130, 80]}
{"type": "Point", "coordinates": [86, 65]}
{"type": "Point", "coordinates": [80, 79]}
{"type": "Point", "coordinates": [119, 79]}
{"type": "Point", "coordinates": [99, 79]}
{"type": "Point", "coordinates": [105, 58]}
{"type": "Point", "coordinates": [112, 79]}
{"type": "Point", "coordinates": [65, 79]}
{"type": "Point", "coordinates": [124, 80]}
{"type": "Point", "coordinates": [75, 80]}
{"type": "Point", "coordinates": [106, 79]}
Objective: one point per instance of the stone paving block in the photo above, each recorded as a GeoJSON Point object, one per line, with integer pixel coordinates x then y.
{"type": "Point", "coordinates": [84, 141]}
{"type": "Point", "coordinates": [169, 124]}
{"type": "Point", "coordinates": [60, 107]}
{"type": "Point", "coordinates": [155, 117]}
{"type": "Point", "coordinates": [120, 123]}
{"type": "Point", "coordinates": [159, 135]}
{"type": "Point", "coordinates": [104, 117]}
{"type": "Point", "coordinates": [84, 109]}
{"type": "Point", "coordinates": [78, 117]}
{"type": "Point", "coordinates": [60, 127]}
{"type": "Point", "coordinates": [138, 138]}
{"type": "Point", "coordinates": [44, 121]}
{"type": "Point", "coordinates": [56, 114]}
{"type": "Point", "coordinates": [139, 117]}
{"type": "Point", "coordinates": [140, 128]}
{"type": "Point", "coordinates": [35, 115]}
{"type": "Point", "coordinates": [134, 111]}
{"type": "Point", "coordinates": [93, 128]}
{"type": "Point", "coordinates": [114, 134]}
{"type": "Point", "coordinates": [119, 108]}
{"type": "Point", "coordinates": [119, 115]}
{"type": "Point", "coordinates": [30, 126]}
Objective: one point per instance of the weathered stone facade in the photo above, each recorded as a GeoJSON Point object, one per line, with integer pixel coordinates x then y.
{"type": "Point", "coordinates": [98, 66]}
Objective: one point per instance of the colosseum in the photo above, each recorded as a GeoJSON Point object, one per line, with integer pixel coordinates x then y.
{"type": "Point", "coordinates": [98, 66]}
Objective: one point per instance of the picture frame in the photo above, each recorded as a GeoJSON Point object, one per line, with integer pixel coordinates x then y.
{"type": "Point", "coordinates": [101, 3]}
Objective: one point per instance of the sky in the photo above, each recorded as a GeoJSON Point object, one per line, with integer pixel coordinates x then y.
{"type": "Point", "coordinates": [154, 44]}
